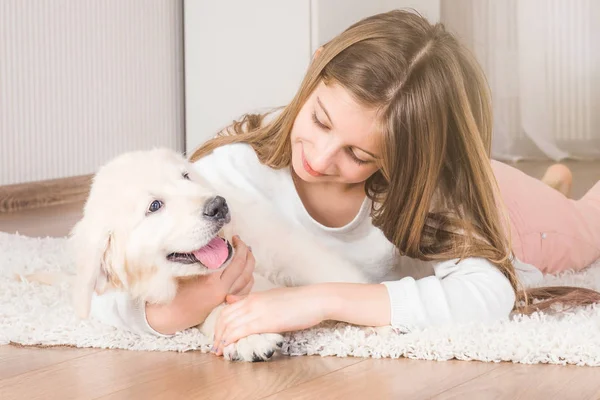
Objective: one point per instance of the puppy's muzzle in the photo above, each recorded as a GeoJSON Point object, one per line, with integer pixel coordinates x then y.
{"type": "Point", "coordinates": [216, 210]}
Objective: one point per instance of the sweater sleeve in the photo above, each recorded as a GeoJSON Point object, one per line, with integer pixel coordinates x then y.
{"type": "Point", "coordinates": [472, 290]}
{"type": "Point", "coordinates": [119, 310]}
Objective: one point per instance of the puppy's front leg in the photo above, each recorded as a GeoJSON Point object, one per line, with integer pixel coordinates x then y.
{"type": "Point", "coordinates": [207, 328]}
{"type": "Point", "coordinates": [259, 347]}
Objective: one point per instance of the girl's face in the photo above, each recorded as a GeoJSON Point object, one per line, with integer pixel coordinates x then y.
{"type": "Point", "coordinates": [334, 138]}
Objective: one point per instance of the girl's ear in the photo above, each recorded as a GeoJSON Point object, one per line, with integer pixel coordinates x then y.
{"type": "Point", "coordinates": [317, 53]}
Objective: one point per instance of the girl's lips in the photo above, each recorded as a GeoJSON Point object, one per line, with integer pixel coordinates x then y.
{"type": "Point", "coordinates": [308, 168]}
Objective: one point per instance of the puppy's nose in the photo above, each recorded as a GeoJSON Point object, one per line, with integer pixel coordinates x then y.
{"type": "Point", "coordinates": [216, 209]}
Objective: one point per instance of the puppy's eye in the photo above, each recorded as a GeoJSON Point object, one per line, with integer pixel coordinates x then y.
{"type": "Point", "coordinates": [155, 206]}
{"type": "Point", "coordinates": [186, 176]}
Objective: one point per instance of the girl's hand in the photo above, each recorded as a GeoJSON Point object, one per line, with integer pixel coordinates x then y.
{"type": "Point", "coordinates": [272, 311]}
{"type": "Point", "coordinates": [237, 278]}
{"type": "Point", "coordinates": [197, 297]}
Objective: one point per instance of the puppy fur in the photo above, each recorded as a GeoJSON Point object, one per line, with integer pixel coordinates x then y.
{"type": "Point", "coordinates": [120, 244]}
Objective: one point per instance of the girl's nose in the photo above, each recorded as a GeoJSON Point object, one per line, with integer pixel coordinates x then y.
{"type": "Point", "coordinates": [324, 157]}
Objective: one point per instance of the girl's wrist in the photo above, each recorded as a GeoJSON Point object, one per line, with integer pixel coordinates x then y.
{"type": "Point", "coordinates": [355, 303]}
{"type": "Point", "coordinates": [325, 299]}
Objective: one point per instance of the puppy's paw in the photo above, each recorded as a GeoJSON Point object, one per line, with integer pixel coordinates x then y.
{"type": "Point", "coordinates": [254, 348]}
{"type": "Point", "coordinates": [383, 331]}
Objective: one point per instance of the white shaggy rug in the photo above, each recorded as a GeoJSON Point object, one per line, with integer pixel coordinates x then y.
{"type": "Point", "coordinates": [33, 314]}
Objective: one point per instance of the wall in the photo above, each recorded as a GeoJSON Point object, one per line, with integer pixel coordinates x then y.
{"type": "Point", "coordinates": [252, 55]}
{"type": "Point", "coordinates": [330, 17]}
{"type": "Point", "coordinates": [82, 81]}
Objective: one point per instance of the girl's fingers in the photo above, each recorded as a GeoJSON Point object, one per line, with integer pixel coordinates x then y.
{"type": "Point", "coordinates": [247, 289]}
{"type": "Point", "coordinates": [246, 275]}
{"type": "Point", "coordinates": [233, 298]}
{"type": "Point", "coordinates": [236, 330]}
{"type": "Point", "coordinates": [237, 265]}
{"type": "Point", "coordinates": [229, 314]}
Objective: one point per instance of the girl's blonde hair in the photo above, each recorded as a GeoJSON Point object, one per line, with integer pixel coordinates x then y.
{"type": "Point", "coordinates": [435, 194]}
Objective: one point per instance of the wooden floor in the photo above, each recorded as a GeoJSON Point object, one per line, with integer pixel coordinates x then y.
{"type": "Point", "coordinates": [67, 373]}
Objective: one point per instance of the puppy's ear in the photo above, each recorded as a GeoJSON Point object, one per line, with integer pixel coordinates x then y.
{"type": "Point", "coordinates": [93, 250]}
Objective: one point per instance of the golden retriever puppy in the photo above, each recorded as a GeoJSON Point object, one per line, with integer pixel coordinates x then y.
{"type": "Point", "coordinates": [150, 219]}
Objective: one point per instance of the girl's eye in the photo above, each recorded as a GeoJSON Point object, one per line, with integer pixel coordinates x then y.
{"type": "Point", "coordinates": [186, 176]}
{"type": "Point", "coordinates": [354, 158]}
{"type": "Point", "coordinates": [317, 122]}
{"type": "Point", "coordinates": [155, 206]}
{"type": "Point", "coordinates": [348, 150]}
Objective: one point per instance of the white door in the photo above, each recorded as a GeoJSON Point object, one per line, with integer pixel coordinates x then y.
{"type": "Point", "coordinates": [241, 56]}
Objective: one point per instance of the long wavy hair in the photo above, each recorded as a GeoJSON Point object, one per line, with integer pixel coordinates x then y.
{"type": "Point", "coordinates": [434, 196]}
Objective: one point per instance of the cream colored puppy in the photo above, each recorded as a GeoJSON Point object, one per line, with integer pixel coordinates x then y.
{"type": "Point", "coordinates": [150, 219]}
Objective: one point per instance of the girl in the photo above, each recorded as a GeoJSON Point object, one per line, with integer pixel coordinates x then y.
{"type": "Point", "coordinates": [383, 155]}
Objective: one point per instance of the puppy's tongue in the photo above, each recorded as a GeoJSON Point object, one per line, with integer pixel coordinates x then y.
{"type": "Point", "coordinates": [214, 254]}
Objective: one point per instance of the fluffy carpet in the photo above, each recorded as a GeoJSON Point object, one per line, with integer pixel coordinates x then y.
{"type": "Point", "coordinates": [33, 314]}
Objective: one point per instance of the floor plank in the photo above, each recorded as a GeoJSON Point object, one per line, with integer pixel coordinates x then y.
{"type": "Point", "coordinates": [585, 173]}
{"type": "Point", "coordinates": [97, 374]}
{"type": "Point", "coordinates": [220, 379]}
{"type": "Point", "coordinates": [17, 360]}
{"type": "Point", "coordinates": [519, 381]}
{"type": "Point", "coordinates": [388, 379]}
{"type": "Point", "coordinates": [54, 221]}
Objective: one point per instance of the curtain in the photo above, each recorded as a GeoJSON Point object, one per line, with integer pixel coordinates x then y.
{"type": "Point", "coordinates": [541, 59]}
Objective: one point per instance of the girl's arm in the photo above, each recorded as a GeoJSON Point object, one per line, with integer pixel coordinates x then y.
{"type": "Point", "coordinates": [355, 303]}
{"type": "Point", "coordinates": [473, 290]}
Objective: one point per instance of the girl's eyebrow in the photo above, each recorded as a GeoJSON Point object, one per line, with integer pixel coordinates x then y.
{"type": "Point", "coordinates": [325, 111]}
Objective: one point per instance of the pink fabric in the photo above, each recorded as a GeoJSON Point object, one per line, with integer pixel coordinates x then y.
{"type": "Point", "coordinates": [548, 230]}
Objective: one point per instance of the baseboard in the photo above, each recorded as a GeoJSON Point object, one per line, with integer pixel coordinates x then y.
{"type": "Point", "coordinates": [29, 195]}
